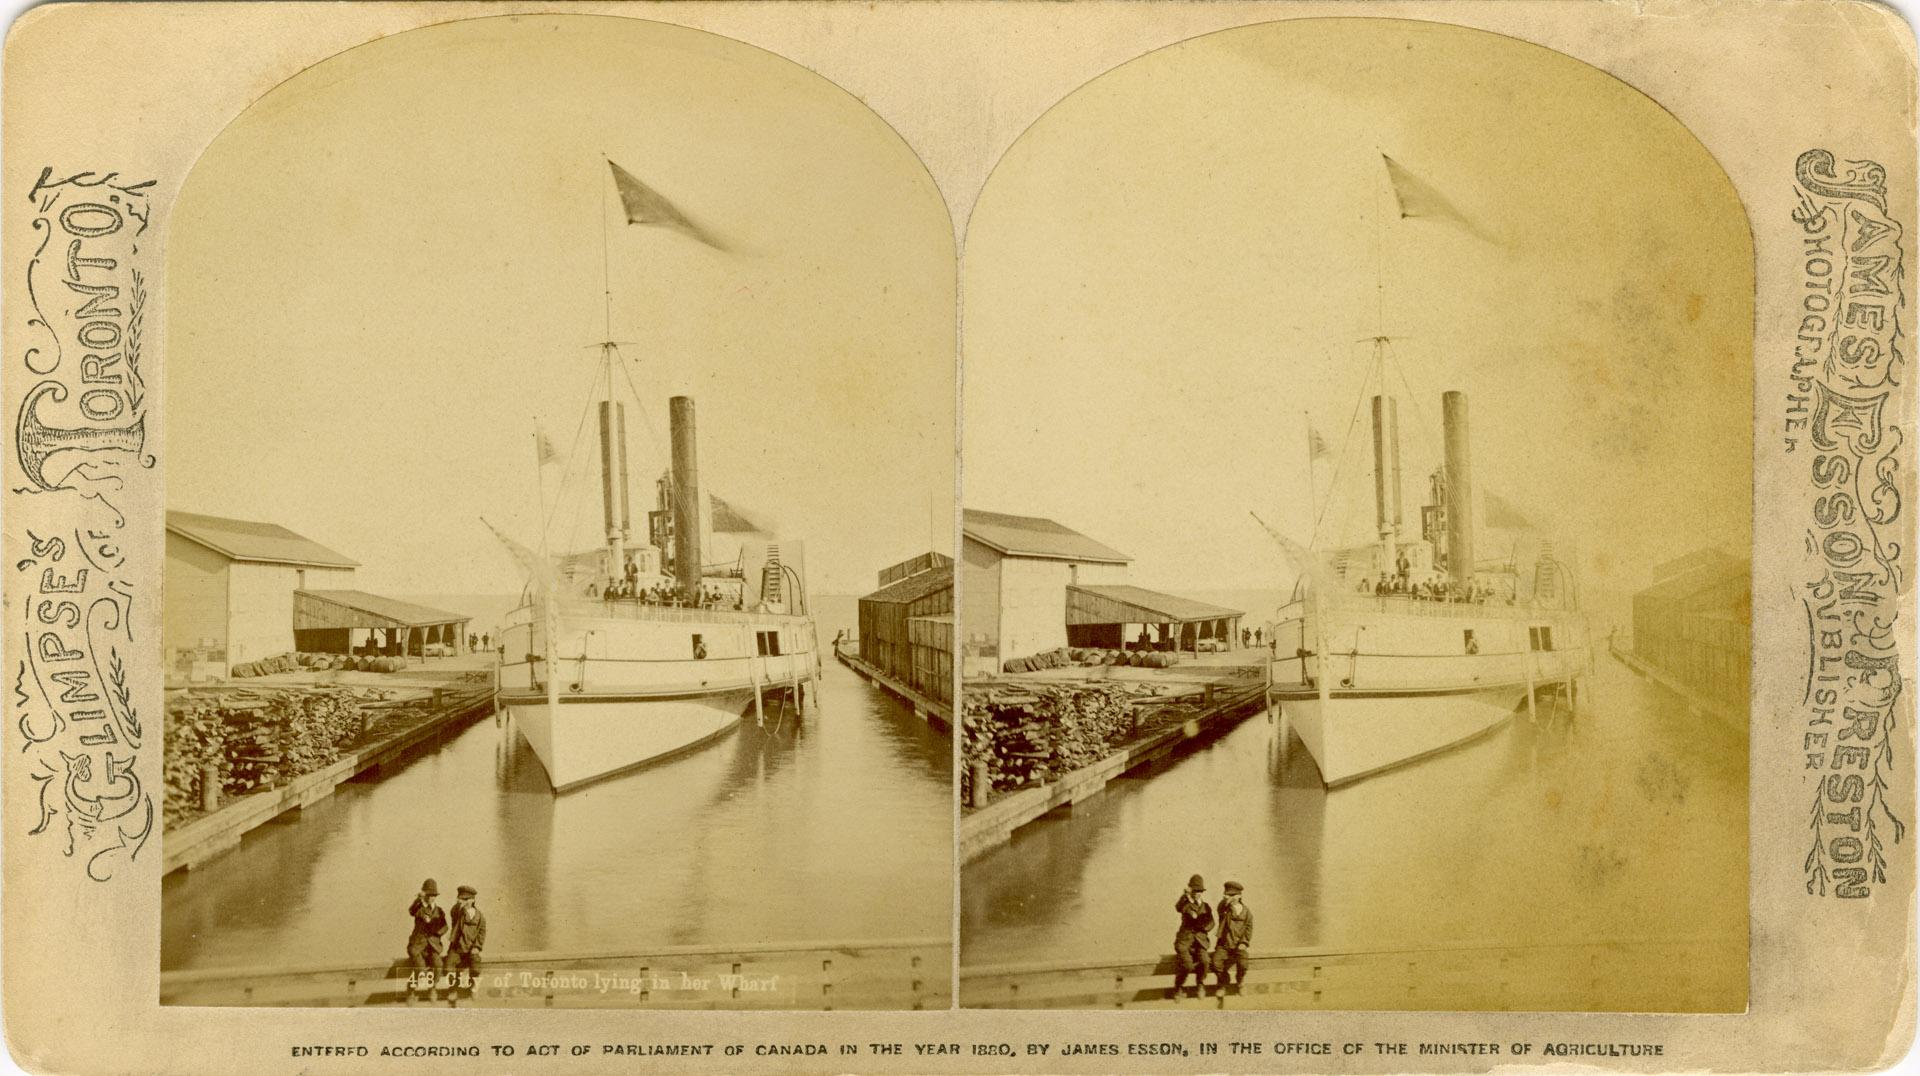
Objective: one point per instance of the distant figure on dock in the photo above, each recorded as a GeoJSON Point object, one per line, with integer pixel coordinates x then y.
{"type": "Point", "coordinates": [1236, 935]}
{"type": "Point", "coordinates": [1246, 637]}
{"type": "Point", "coordinates": [486, 641]}
{"type": "Point", "coordinates": [426, 944]}
{"type": "Point", "coordinates": [1190, 941]}
{"type": "Point", "coordinates": [466, 936]}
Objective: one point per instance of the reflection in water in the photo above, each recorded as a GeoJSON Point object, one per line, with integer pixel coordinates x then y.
{"type": "Point", "coordinates": [1629, 822]}
{"type": "Point", "coordinates": [833, 828]}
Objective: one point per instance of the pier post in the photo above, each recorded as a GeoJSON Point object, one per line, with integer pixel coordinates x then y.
{"type": "Point", "coordinates": [982, 790]}
{"type": "Point", "coordinates": [1533, 715]}
{"type": "Point", "coordinates": [209, 788]}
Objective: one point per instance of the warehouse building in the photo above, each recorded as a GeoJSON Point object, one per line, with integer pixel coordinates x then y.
{"type": "Point", "coordinates": [1030, 585]}
{"type": "Point", "coordinates": [1694, 625]}
{"type": "Point", "coordinates": [238, 591]}
{"type": "Point", "coordinates": [356, 622]}
{"type": "Point", "coordinates": [906, 627]}
{"type": "Point", "coordinates": [229, 587]}
{"type": "Point", "coordinates": [1121, 617]}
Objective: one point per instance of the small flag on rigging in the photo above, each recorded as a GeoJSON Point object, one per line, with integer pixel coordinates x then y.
{"type": "Point", "coordinates": [548, 454]}
{"type": "Point", "coordinates": [644, 205]}
{"type": "Point", "coordinates": [1317, 445]}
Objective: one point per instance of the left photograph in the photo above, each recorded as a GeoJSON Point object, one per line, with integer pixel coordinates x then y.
{"type": "Point", "coordinates": [558, 601]}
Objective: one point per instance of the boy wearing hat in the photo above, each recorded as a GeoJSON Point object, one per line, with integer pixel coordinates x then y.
{"type": "Point", "coordinates": [1190, 941]}
{"type": "Point", "coordinates": [424, 945]}
{"type": "Point", "coordinates": [467, 937]}
{"type": "Point", "coordinates": [1236, 935]}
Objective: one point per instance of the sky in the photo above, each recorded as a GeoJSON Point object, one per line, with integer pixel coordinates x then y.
{"type": "Point", "coordinates": [386, 272]}
{"type": "Point", "coordinates": [1170, 274]}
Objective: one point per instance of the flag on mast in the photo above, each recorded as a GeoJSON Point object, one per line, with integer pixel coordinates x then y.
{"type": "Point", "coordinates": [548, 454]}
{"type": "Point", "coordinates": [1416, 198]}
{"type": "Point", "coordinates": [1317, 447]}
{"type": "Point", "coordinates": [644, 205]}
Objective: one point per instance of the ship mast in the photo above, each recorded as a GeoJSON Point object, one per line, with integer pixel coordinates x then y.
{"type": "Point", "coordinates": [614, 506]}
{"type": "Point", "coordinates": [1386, 411]}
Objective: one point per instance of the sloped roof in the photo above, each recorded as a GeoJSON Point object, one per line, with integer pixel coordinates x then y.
{"type": "Point", "coordinates": [914, 587]}
{"type": "Point", "coordinates": [390, 610]}
{"type": "Point", "coordinates": [1704, 573]}
{"type": "Point", "coordinates": [240, 539]}
{"type": "Point", "coordinates": [1152, 605]}
{"type": "Point", "coordinates": [1699, 558]}
{"type": "Point", "coordinates": [1031, 536]}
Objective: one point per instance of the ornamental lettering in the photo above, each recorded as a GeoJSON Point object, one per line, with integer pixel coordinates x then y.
{"type": "Point", "coordinates": [79, 446]}
{"type": "Point", "coordinates": [1843, 421]}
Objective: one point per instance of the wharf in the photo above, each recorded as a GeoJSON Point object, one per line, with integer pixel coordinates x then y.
{"type": "Point", "coordinates": [928, 709]}
{"type": "Point", "coordinates": [1696, 702]}
{"type": "Point", "coordinates": [1624, 975]}
{"type": "Point", "coordinates": [457, 701]}
{"type": "Point", "coordinates": [1232, 700]}
{"type": "Point", "coordinates": [913, 973]}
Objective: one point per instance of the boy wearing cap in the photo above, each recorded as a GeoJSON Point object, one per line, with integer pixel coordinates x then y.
{"type": "Point", "coordinates": [1190, 941]}
{"type": "Point", "coordinates": [424, 945]}
{"type": "Point", "coordinates": [466, 938]}
{"type": "Point", "coordinates": [1236, 935]}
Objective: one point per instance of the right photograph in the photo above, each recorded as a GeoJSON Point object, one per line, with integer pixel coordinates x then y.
{"type": "Point", "coordinates": [1354, 592]}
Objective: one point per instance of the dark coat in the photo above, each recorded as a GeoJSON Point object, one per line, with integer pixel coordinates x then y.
{"type": "Point", "coordinates": [429, 924]}
{"type": "Point", "coordinates": [1236, 925]}
{"type": "Point", "coordinates": [469, 934]}
{"type": "Point", "coordinates": [1195, 916]}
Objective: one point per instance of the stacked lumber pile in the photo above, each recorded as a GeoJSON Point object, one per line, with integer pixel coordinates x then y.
{"type": "Point", "coordinates": [1030, 734]}
{"type": "Point", "coordinates": [247, 740]}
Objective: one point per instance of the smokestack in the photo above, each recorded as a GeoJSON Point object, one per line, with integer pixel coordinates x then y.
{"type": "Point", "coordinates": [686, 496]}
{"type": "Point", "coordinates": [626, 510]}
{"type": "Point", "coordinates": [1393, 459]}
{"type": "Point", "coordinates": [1380, 503]}
{"type": "Point", "coordinates": [1386, 475]}
{"type": "Point", "coordinates": [1453, 417]}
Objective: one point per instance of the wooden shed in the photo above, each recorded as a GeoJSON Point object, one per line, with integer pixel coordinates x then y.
{"type": "Point", "coordinates": [356, 622]}
{"type": "Point", "coordinates": [887, 635]}
{"type": "Point", "coordinates": [1695, 624]}
{"type": "Point", "coordinates": [1105, 616]}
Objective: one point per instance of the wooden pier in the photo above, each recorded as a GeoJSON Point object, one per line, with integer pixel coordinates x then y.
{"type": "Point", "coordinates": [193, 843]}
{"type": "Point", "coordinates": [1697, 703]}
{"type": "Point", "coordinates": [911, 973]}
{"type": "Point", "coordinates": [988, 827]}
{"type": "Point", "coordinates": [1646, 975]}
{"type": "Point", "coordinates": [928, 709]}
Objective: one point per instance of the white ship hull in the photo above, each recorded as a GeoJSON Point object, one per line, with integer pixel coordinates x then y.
{"type": "Point", "coordinates": [590, 737]}
{"type": "Point", "coordinates": [1408, 679]}
{"type": "Point", "coordinates": [1352, 736]}
{"type": "Point", "coordinates": [638, 684]}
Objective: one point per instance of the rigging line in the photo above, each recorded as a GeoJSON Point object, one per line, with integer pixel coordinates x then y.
{"type": "Point", "coordinates": [1346, 445]}
{"type": "Point", "coordinates": [1419, 412]}
{"type": "Point", "coordinates": [646, 420]}
{"type": "Point", "coordinates": [573, 454]}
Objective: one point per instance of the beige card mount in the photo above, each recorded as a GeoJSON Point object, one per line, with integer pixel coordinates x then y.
{"type": "Point", "coordinates": [1252, 537]}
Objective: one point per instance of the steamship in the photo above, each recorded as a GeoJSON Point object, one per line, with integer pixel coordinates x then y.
{"type": "Point", "coordinates": [626, 654]}
{"type": "Point", "coordinates": [1401, 648]}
